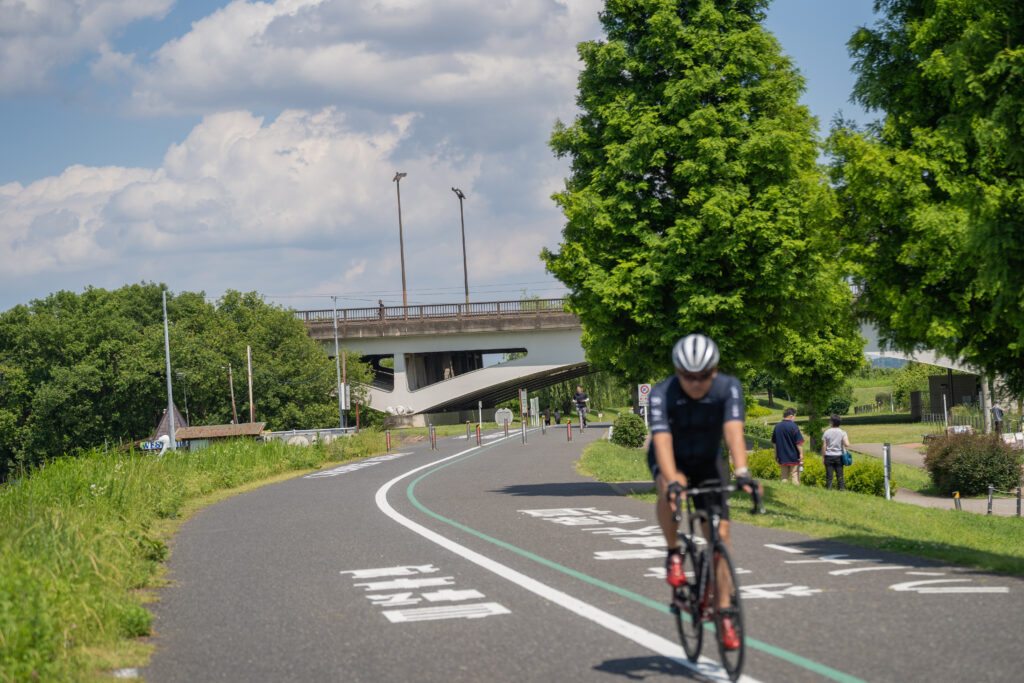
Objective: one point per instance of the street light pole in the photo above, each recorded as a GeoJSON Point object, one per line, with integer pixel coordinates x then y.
{"type": "Point", "coordinates": [337, 366]}
{"type": "Point", "coordinates": [170, 393]}
{"type": "Point", "coordinates": [401, 245]}
{"type": "Point", "coordinates": [465, 267]}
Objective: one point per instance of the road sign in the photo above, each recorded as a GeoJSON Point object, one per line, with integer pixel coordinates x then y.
{"type": "Point", "coordinates": [645, 393]}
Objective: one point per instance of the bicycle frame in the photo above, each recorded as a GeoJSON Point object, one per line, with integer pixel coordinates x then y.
{"type": "Point", "coordinates": [701, 599]}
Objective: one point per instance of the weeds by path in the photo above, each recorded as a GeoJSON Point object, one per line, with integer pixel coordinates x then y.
{"type": "Point", "coordinates": [82, 538]}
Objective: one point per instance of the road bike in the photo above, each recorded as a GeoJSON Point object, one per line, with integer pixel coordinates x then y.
{"type": "Point", "coordinates": [711, 592]}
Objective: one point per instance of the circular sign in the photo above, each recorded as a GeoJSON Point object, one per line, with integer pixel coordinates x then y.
{"type": "Point", "coordinates": [645, 389]}
{"type": "Point", "coordinates": [503, 415]}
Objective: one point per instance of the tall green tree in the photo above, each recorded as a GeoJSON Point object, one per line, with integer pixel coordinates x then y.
{"type": "Point", "coordinates": [80, 369]}
{"type": "Point", "coordinates": [932, 196]}
{"type": "Point", "coordinates": [695, 202]}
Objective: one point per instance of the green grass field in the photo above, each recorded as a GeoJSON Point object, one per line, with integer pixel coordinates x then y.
{"type": "Point", "coordinates": [991, 543]}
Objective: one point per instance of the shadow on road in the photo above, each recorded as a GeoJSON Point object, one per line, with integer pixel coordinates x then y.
{"type": "Point", "coordinates": [639, 668]}
{"type": "Point", "coordinates": [583, 488]}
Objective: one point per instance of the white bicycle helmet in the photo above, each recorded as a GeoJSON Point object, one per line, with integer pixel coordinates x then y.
{"type": "Point", "coordinates": [695, 353]}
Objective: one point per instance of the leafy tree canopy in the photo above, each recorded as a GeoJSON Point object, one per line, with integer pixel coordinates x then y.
{"type": "Point", "coordinates": [932, 197]}
{"type": "Point", "coordinates": [80, 369]}
{"type": "Point", "coordinates": [694, 201]}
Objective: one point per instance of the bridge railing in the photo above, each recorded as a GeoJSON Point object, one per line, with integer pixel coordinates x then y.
{"type": "Point", "coordinates": [431, 311]}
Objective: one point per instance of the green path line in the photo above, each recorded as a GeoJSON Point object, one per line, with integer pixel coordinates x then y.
{"type": "Point", "coordinates": [785, 655]}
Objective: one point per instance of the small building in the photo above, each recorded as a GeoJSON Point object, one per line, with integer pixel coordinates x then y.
{"type": "Point", "coordinates": [196, 438]}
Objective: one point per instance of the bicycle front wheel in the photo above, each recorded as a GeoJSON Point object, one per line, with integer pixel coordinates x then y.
{"type": "Point", "coordinates": [728, 614]}
{"type": "Point", "coordinates": [686, 605]}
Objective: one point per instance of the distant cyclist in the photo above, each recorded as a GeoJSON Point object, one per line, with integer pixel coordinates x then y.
{"type": "Point", "coordinates": [580, 400]}
{"type": "Point", "coordinates": [691, 412]}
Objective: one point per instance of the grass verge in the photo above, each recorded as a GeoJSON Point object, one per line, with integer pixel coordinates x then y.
{"type": "Point", "coordinates": [991, 543]}
{"type": "Point", "coordinates": [82, 539]}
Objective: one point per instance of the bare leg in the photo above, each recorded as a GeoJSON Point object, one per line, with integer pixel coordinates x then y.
{"type": "Point", "coordinates": [722, 577]}
{"type": "Point", "coordinates": [669, 526]}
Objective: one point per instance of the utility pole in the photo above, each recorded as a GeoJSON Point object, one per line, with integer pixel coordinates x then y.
{"type": "Point", "coordinates": [170, 396]}
{"type": "Point", "coordinates": [252, 408]}
{"type": "Point", "coordinates": [345, 389]}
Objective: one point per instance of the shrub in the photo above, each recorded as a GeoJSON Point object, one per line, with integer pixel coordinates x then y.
{"type": "Point", "coordinates": [629, 431]}
{"type": "Point", "coordinates": [868, 476]}
{"type": "Point", "coordinates": [757, 430]}
{"type": "Point", "coordinates": [814, 471]}
{"type": "Point", "coordinates": [839, 405]}
{"type": "Point", "coordinates": [758, 410]}
{"type": "Point", "coordinates": [762, 464]}
{"type": "Point", "coordinates": [968, 463]}
{"type": "Point", "coordinates": [881, 398]}
{"type": "Point", "coordinates": [864, 476]}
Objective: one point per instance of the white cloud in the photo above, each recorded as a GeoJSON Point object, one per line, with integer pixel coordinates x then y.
{"type": "Point", "coordinates": [399, 54]}
{"type": "Point", "coordinates": [39, 36]}
{"type": "Point", "coordinates": [235, 183]}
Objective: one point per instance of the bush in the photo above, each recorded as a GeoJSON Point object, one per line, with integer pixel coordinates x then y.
{"type": "Point", "coordinates": [968, 463]}
{"type": "Point", "coordinates": [758, 410]}
{"type": "Point", "coordinates": [839, 405]}
{"type": "Point", "coordinates": [814, 471]}
{"type": "Point", "coordinates": [868, 476]}
{"type": "Point", "coordinates": [881, 399]}
{"type": "Point", "coordinates": [629, 431]}
{"type": "Point", "coordinates": [863, 476]}
{"type": "Point", "coordinates": [762, 464]}
{"type": "Point", "coordinates": [757, 430]}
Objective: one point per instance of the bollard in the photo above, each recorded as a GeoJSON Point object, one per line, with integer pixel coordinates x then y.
{"type": "Point", "coordinates": [991, 489]}
{"type": "Point", "coordinates": [523, 429]}
{"type": "Point", "coordinates": [387, 439]}
{"type": "Point", "coordinates": [956, 501]}
{"type": "Point", "coordinates": [506, 429]}
{"type": "Point", "coordinates": [433, 438]}
{"type": "Point", "coordinates": [887, 466]}
{"type": "Point", "coordinates": [568, 431]}
{"type": "Point", "coordinates": [478, 434]}
{"type": "Point", "coordinates": [1018, 501]}
{"type": "Point", "coordinates": [543, 429]}
{"type": "Point", "coordinates": [467, 431]}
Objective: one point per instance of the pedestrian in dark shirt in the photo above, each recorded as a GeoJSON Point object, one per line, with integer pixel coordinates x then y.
{"type": "Point", "coordinates": [789, 450]}
{"type": "Point", "coordinates": [381, 313]}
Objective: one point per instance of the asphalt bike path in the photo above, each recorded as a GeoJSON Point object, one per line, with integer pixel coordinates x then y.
{"type": "Point", "coordinates": [502, 563]}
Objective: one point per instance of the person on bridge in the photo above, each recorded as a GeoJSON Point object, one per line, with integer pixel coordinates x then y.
{"type": "Point", "coordinates": [580, 400]}
{"type": "Point", "coordinates": [691, 412]}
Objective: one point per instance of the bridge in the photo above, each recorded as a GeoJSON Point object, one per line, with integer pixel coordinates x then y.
{"type": "Point", "coordinates": [449, 357]}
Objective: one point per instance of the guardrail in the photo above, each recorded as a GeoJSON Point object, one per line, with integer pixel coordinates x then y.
{"type": "Point", "coordinates": [434, 311]}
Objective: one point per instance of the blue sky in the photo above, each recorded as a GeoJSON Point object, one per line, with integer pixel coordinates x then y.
{"type": "Point", "coordinates": [251, 146]}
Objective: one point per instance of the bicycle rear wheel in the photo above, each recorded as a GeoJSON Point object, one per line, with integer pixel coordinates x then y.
{"type": "Point", "coordinates": [730, 608]}
{"type": "Point", "coordinates": [686, 605]}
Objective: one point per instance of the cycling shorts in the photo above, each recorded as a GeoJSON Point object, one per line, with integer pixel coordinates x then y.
{"type": "Point", "coordinates": [697, 473]}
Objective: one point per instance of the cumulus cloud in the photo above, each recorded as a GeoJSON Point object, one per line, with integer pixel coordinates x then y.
{"type": "Point", "coordinates": [304, 182]}
{"type": "Point", "coordinates": [38, 37]}
{"type": "Point", "coordinates": [402, 54]}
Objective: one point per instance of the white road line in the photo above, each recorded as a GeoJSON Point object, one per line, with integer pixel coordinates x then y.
{"type": "Point", "coordinates": [857, 570]}
{"type": "Point", "coordinates": [641, 636]}
{"type": "Point", "coordinates": [783, 548]}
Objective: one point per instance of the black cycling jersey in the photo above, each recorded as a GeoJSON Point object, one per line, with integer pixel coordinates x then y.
{"type": "Point", "coordinates": [580, 399]}
{"type": "Point", "coordinates": [696, 425]}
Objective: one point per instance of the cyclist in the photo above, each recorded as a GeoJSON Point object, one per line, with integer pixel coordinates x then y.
{"type": "Point", "coordinates": [580, 399]}
{"type": "Point", "coordinates": [691, 412]}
